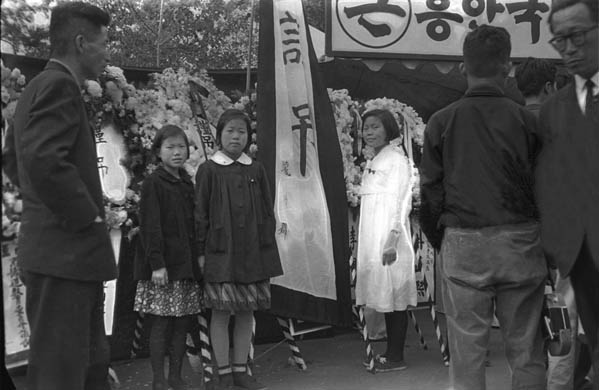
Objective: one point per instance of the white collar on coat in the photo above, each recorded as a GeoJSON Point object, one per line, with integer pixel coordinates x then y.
{"type": "Point", "coordinates": [222, 159]}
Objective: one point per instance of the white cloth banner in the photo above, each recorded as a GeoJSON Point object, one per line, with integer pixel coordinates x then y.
{"type": "Point", "coordinates": [16, 326]}
{"type": "Point", "coordinates": [303, 223]}
{"type": "Point", "coordinates": [110, 286]}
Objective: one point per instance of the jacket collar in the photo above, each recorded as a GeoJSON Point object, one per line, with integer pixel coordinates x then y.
{"type": "Point", "coordinates": [55, 64]}
{"type": "Point", "coordinates": [163, 174]}
{"type": "Point", "coordinates": [485, 90]}
{"type": "Point", "coordinates": [222, 159]}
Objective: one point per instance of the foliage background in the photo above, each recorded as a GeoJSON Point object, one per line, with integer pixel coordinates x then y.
{"type": "Point", "coordinates": [195, 34]}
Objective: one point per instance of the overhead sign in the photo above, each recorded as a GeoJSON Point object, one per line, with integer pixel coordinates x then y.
{"type": "Point", "coordinates": [432, 28]}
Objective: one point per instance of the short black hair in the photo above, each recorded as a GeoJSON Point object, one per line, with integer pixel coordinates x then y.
{"type": "Point", "coordinates": [165, 132]}
{"type": "Point", "coordinates": [558, 5]}
{"type": "Point", "coordinates": [532, 75]}
{"type": "Point", "coordinates": [388, 121]}
{"type": "Point", "coordinates": [71, 19]}
{"type": "Point", "coordinates": [228, 116]}
{"type": "Point", "coordinates": [486, 50]}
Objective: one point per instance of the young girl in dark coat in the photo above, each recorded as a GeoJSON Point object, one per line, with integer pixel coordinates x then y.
{"type": "Point", "coordinates": [237, 248]}
{"type": "Point", "coordinates": [166, 263]}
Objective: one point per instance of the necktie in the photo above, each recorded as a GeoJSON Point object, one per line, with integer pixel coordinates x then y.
{"type": "Point", "coordinates": [589, 105]}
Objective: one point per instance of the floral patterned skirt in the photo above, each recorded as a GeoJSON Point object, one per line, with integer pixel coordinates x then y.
{"type": "Point", "coordinates": [237, 296]}
{"type": "Point", "coordinates": [178, 298]}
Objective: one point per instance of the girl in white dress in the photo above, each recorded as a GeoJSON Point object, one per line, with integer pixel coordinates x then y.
{"type": "Point", "coordinates": [386, 280]}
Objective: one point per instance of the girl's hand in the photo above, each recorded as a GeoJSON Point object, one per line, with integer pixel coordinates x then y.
{"type": "Point", "coordinates": [389, 256]}
{"type": "Point", "coordinates": [160, 277]}
{"type": "Point", "coordinates": [201, 262]}
{"type": "Point", "coordinates": [389, 251]}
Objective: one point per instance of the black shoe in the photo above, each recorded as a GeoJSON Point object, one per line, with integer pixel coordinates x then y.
{"type": "Point", "coordinates": [382, 364]}
{"type": "Point", "coordinates": [245, 381]}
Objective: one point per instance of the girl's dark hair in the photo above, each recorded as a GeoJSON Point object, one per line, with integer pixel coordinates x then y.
{"type": "Point", "coordinates": [387, 119]}
{"type": "Point", "coordinates": [165, 132]}
{"type": "Point", "coordinates": [227, 117]}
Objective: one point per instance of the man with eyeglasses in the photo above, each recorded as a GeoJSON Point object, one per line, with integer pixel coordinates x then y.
{"type": "Point", "coordinates": [567, 172]}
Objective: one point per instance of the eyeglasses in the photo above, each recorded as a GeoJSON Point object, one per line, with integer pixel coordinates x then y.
{"type": "Point", "coordinates": [559, 42]}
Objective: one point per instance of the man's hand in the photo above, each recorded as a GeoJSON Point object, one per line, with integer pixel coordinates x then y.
{"type": "Point", "coordinates": [160, 277]}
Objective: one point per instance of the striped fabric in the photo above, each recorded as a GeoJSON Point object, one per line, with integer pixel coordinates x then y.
{"type": "Point", "coordinates": [237, 296]}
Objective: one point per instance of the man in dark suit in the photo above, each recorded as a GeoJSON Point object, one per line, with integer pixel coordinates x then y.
{"type": "Point", "coordinates": [567, 172]}
{"type": "Point", "coordinates": [64, 247]}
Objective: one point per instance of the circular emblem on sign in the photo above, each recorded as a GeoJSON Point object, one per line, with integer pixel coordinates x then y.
{"type": "Point", "coordinates": [375, 24]}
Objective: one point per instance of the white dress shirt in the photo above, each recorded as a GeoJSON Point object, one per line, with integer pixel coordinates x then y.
{"type": "Point", "coordinates": [581, 89]}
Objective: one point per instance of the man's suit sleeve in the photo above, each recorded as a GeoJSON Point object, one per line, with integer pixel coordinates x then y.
{"type": "Point", "coordinates": [9, 157]}
{"type": "Point", "coordinates": [431, 185]}
{"type": "Point", "coordinates": [47, 139]}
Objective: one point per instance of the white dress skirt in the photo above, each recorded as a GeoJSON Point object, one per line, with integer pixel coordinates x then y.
{"type": "Point", "coordinates": [386, 195]}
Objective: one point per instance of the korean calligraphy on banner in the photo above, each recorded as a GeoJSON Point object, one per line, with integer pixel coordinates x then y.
{"type": "Point", "coordinates": [110, 147]}
{"type": "Point", "coordinates": [304, 234]}
{"type": "Point", "coordinates": [432, 28]}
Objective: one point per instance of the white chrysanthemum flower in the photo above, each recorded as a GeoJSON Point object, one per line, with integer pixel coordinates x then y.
{"type": "Point", "coordinates": [93, 88]}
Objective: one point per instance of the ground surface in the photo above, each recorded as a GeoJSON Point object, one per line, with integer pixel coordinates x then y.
{"type": "Point", "coordinates": [335, 363]}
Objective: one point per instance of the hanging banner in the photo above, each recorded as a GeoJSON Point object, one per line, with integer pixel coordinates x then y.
{"type": "Point", "coordinates": [111, 150]}
{"type": "Point", "coordinates": [433, 29]}
{"type": "Point", "coordinates": [298, 145]}
{"type": "Point", "coordinates": [304, 227]}
{"type": "Point", "coordinates": [16, 326]}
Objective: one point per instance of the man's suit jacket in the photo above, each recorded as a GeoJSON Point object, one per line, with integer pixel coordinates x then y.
{"type": "Point", "coordinates": [567, 179]}
{"type": "Point", "coordinates": [50, 155]}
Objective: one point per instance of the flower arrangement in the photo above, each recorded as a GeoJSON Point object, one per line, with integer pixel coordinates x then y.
{"type": "Point", "coordinates": [169, 102]}
{"type": "Point", "coordinates": [12, 85]}
{"type": "Point", "coordinates": [347, 120]}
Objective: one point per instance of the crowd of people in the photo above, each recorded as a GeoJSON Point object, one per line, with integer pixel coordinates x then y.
{"type": "Point", "coordinates": [510, 194]}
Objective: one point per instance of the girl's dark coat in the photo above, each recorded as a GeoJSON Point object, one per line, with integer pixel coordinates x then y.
{"type": "Point", "coordinates": [236, 223]}
{"type": "Point", "coordinates": [167, 231]}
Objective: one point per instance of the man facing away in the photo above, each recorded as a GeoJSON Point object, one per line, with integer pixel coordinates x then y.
{"type": "Point", "coordinates": [536, 80]}
{"type": "Point", "coordinates": [567, 173]}
{"type": "Point", "coordinates": [64, 248]}
{"type": "Point", "coordinates": [478, 207]}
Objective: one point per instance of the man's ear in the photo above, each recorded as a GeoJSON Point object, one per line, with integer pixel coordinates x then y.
{"type": "Point", "coordinates": [549, 88]}
{"type": "Point", "coordinates": [79, 43]}
{"type": "Point", "coordinates": [505, 69]}
{"type": "Point", "coordinates": [462, 68]}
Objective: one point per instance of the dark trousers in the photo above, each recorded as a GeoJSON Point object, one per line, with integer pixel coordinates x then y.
{"type": "Point", "coordinates": [585, 282]}
{"type": "Point", "coordinates": [68, 345]}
